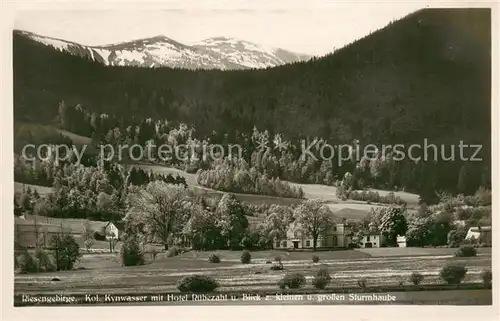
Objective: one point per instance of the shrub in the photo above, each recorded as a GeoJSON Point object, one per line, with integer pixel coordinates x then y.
{"type": "Point", "coordinates": [131, 253]}
{"type": "Point", "coordinates": [44, 261]}
{"type": "Point", "coordinates": [466, 251]}
{"type": "Point", "coordinates": [176, 250]}
{"type": "Point", "coordinates": [315, 258]}
{"type": "Point", "coordinates": [246, 257]}
{"type": "Point", "coordinates": [27, 264]}
{"type": "Point", "coordinates": [87, 236]}
{"type": "Point", "coordinates": [456, 237]}
{"type": "Point", "coordinates": [416, 278]}
{"type": "Point", "coordinates": [487, 276]}
{"type": "Point", "coordinates": [321, 279]}
{"type": "Point", "coordinates": [323, 272]}
{"type": "Point", "coordinates": [281, 284]}
{"type": "Point", "coordinates": [154, 253]}
{"type": "Point", "coordinates": [66, 251]}
{"type": "Point", "coordinates": [173, 251]}
{"type": "Point", "coordinates": [453, 273]}
{"type": "Point", "coordinates": [294, 280]}
{"type": "Point", "coordinates": [374, 197]}
{"type": "Point", "coordinates": [341, 192]}
{"type": "Point", "coordinates": [482, 197]}
{"type": "Point", "coordinates": [277, 258]}
{"type": "Point", "coordinates": [320, 283]}
{"type": "Point", "coordinates": [362, 283]}
{"type": "Point", "coordinates": [214, 258]}
{"type": "Point", "coordinates": [277, 266]}
{"type": "Point", "coordinates": [474, 214]}
{"type": "Point", "coordinates": [391, 198]}
{"type": "Point", "coordinates": [197, 284]}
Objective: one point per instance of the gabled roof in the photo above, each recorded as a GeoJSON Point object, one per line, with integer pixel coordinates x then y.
{"type": "Point", "coordinates": [480, 229]}
{"type": "Point", "coordinates": [75, 224]}
{"type": "Point", "coordinates": [119, 225]}
{"type": "Point", "coordinates": [40, 226]}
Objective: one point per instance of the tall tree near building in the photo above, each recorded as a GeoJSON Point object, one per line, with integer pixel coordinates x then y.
{"type": "Point", "coordinates": [393, 223]}
{"type": "Point", "coordinates": [159, 210]}
{"type": "Point", "coordinates": [231, 219]}
{"type": "Point", "coordinates": [313, 218]}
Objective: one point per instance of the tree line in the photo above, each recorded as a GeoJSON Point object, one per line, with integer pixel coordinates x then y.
{"type": "Point", "coordinates": [271, 159]}
{"type": "Point", "coordinates": [169, 215]}
{"type": "Point", "coordinates": [95, 193]}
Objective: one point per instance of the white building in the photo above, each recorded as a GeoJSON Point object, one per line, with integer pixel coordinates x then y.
{"type": "Point", "coordinates": [370, 239]}
{"type": "Point", "coordinates": [108, 229]}
{"type": "Point", "coordinates": [296, 238]}
{"type": "Point", "coordinates": [479, 235]}
{"type": "Point", "coordinates": [401, 241]}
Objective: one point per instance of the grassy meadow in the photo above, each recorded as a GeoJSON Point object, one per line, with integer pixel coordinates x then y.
{"type": "Point", "coordinates": [102, 273]}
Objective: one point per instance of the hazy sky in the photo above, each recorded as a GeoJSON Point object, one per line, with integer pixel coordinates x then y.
{"type": "Point", "coordinates": [313, 31]}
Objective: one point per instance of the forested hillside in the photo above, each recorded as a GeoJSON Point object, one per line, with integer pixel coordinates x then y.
{"type": "Point", "coordinates": [424, 76]}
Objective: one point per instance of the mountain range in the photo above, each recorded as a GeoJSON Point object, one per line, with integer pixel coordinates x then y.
{"type": "Point", "coordinates": [427, 75]}
{"type": "Point", "coordinates": [214, 53]}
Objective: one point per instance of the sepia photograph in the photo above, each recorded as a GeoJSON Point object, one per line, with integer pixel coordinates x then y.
{"type": "Point", "coordinates": [261, 155]}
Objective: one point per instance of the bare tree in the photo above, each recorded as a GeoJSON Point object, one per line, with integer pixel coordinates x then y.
{"type": "Point", "coordinates": [314, 219]}
{"type": "Point", "coordinates": [159, 210]}
{"type": "Point", "coordinates": [87, 235]}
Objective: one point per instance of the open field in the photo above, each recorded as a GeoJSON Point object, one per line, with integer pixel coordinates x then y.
{"type": "Point", "coordinates": [348, 209]}
{"type": "Point", "coordinates": [415, 251]}
{"type": "Point", "coordinates": [75, 224]}
{"type": "Point", "coordinates": [311, 191]}
{"type": "Point", "coordinates": [77, 139]}
{"type": "Point", "coordinates": [351, 210]}
{"type": "Point", "coordinates": [102, 273]}
{"type": "Point", "coordinates": [42, 190]}
{"type": "Point", "coordinates": [318, 191]}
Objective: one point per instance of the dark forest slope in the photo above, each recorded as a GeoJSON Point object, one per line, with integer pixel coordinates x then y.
{"type": "Point", "coordinates": [424, 76]}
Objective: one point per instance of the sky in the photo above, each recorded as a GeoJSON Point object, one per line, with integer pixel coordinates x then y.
{"type": "Point", "coordinates": [314, 31]}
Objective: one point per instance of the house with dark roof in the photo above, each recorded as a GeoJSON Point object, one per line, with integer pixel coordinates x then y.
{"type": "Point", "coordinates": [111, 230]}
{"type": "Point", "coordinates": [32, 233]}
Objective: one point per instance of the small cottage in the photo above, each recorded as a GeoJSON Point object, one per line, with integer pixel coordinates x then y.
{"type": "Point", "coordinates": [479, 234]}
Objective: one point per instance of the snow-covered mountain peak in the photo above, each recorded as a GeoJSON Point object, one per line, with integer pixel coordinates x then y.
{"type": "Point", "coordinates": [162, 51]}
